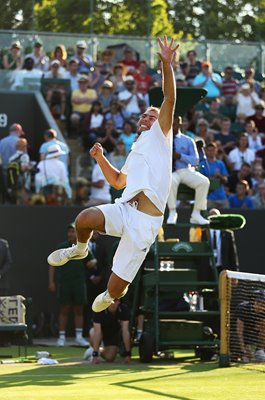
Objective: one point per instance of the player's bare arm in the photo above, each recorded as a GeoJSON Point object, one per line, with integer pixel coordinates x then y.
{"type": "Point", "coordinates": [115, 178]}
{"type": "Point", "coordinates": [167, 52]}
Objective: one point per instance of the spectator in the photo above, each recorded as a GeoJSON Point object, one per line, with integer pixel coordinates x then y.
{"type": "Point", "coordinates": [259, 198]}
{"type": "Point", "coordinates": [41, 61]}
{"type": "Point", "coordinates": [224, 247]}
{"type": "Point", "coordinates": [106, 95]}
{"type": "Point", "coordinates": [93, 124]}
{"type": "Point", "coordinates": [192, 67]}
{"type": "Point", "coordinates": [110, 326]}
{"type": "Point", "coordinates": [129, 98]}
{"type": "Point", "coordinates": [249, 78]}
{"type": "Point", "coordinates": [228, 108]}
{"type": "Point", "coordinates": [213, 116]}
{"type": "Point", "coordinates": [85, 61]}
{"type": "Point", "coordinates": [13, 59]}
{"type": "Point", "coordinates": [216, 169]}
{"type": "Point", "coordinates": [186, 129]}
{"type": "Point", "coordinates": [143, 81]}
{"type": "Point", "coordinates": [52, 172]}
{"type": "Point", "coordinates": [82, 100]}
{"type": "Point", "coordinates": [221, 155]}
{"type": "Point", "coordinates": [225, 136]}
{"type": "Point", "coordinates": [241, 199]}
{"type": "Point", "coordinates": [81, 192]}
{"type": "Point", "coordinates": [258, 117]}
{"type": "Point", "coordinates": [229, 84]}
{"type": "Point", "coordinates": [247, 99]}
{"type": "Point", "coordinates": [202, 131]}
{"type": "Point", "coordinates": [129, 61]}
{"type": "Point", "coordinates": [5, 265]}
{"type": "Point", "coordinates": [71, 289]}
{"type": "Point", "coordinates": [249, 330]}
{"type": "Point", "coordinates": [236, 176]}
{"type": "Point", "coordinates": [28, 71]}
{"type": "Point", "coordinates": [238, 126]}
{"type": "Point", "coordinates": [128, 136]}
{"type": "Point", "coordinates": [100, 188]}
{"type": "Point", "coordinates": [209, 80]}
{"type": "Point", "coordinates": [115, 114]}
{"type": "Point", "coordinates": [97, 76]}
{"type": "Point", "coordinates": [185, 158]}
{"type": "Point", "coordinates": [106, 60]}
{"type": "Point", "coordinates": [60, 54]}
{"type": "Point", "coordinates": [108, 136]}
{"type": "Point", "coordinates": [117, 78]}
{"type": "Point", "coordinates": [72, 73]}
{"type": "Point", "coordinates": [254, 139]}
{"type": "Point", "coordinates": [19, 174]}
{"type": "Point", "coordinates": [56, 93]}
{"type": "Point", "coordinates": [50, 138]}
{"type": "Point", "coordinates": [118, 156]}
{"type": "Point", "coordinates": [258, 175]}
{"type": "Point", "coordinates": [8, 144]}
{"type": "Point", "coordinates": [241, 153]}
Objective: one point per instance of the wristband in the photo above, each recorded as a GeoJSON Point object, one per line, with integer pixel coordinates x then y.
{"type": "Point", "coordinates": [127, 353]}
{"type": "Point", "coordinates": [95, 354]}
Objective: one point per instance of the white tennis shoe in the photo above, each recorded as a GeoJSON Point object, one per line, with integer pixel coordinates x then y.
{"type": "Point", "coordinates": [62, 256]}
{"type": "Point", "coordinates": [102, 301]}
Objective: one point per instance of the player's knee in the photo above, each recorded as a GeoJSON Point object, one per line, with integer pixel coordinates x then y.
{"type": "Point", "coordinates": [88, 218]}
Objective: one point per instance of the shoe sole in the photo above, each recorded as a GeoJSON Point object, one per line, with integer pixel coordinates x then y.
{"type": "Point", "coordinates": [62, 262]}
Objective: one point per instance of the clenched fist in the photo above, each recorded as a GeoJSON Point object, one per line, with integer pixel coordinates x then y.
{"type": "Point", "coordinates": [96, 151]}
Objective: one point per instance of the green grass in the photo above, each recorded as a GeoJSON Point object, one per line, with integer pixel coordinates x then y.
{"type": "Point", "coordinates": [74, 379]}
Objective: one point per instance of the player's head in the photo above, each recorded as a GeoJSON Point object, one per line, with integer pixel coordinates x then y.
{"type": "Point", "coordinates": [147, 119]}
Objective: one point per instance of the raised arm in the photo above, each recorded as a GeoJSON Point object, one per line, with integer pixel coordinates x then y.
{"type": "Point", "coordinates": [115, 178]}
{"type": "Point", "coordinates": [166, 55]}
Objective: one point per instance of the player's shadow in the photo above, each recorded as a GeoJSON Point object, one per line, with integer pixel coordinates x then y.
{"type": "Point", "coordinates": [192, 367]}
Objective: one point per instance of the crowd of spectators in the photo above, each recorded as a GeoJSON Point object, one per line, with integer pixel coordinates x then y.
{"type": "Point", "coordinates": [103, 102]}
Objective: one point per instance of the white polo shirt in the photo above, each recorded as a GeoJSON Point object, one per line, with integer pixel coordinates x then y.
{"type": "Point", "coordinates": [149, 167]}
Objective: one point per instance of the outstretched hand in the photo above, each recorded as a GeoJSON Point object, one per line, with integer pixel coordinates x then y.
{"type": "Point", "coordinates": [167, 50]}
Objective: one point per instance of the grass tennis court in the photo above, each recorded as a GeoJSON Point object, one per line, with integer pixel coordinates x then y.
{"type": "Point", "coordinates": [73, 378]}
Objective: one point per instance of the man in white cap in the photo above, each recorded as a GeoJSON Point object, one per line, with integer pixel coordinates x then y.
{"type": "Point", "coordinates": [85, 61]}
{"type": "Point", "coordinates": [130, 97]}
{"type": "Point", "coordinates": [52, 171]}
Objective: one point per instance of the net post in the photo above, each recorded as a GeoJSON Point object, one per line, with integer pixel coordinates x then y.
{"type": "Point", "coordinates": [224, 297]}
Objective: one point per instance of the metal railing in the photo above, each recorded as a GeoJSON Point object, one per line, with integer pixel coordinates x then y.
{"type": "Point", "coordinates": [219, 53]}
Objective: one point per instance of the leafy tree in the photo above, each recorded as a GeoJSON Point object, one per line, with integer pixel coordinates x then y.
{"type": "Point", "coordinates": [16, 14]}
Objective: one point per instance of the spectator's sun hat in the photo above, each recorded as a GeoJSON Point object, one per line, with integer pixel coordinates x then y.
{"type": "Point", "coordinates": [107, 84]}
{"type": "Point", "coordinates": [16, 45]}
{"type": "Point", "coordinates": [206, 64]}
{"type": "Point", "coordinates": [54, 151]}
{"type": "Point", "coordinates": [71, 225]}
{"type": "Point", "coordinates": [55, 62]}
{"type": "Point", "coordinates": [38, 43]}
{"type": "Point", "coordinates": [83, 78]}
{"type": "Point", "coordinates": [81, 44]}
{"type": "Point", "coordinates": [129, 78]}
{"type": "Point", "coordinates": [245, 86]}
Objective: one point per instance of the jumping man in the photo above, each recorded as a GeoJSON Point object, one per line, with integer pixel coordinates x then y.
{"type": "Point", "coordinates": [146, 176]}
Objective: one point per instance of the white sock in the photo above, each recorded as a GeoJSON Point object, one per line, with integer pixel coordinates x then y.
{"type": "Point", "coordinates": [62, 334]}
{"type": "Point", "coordinates": [78, 333]}
{"type": "Point", "coordinates": [81, 247]}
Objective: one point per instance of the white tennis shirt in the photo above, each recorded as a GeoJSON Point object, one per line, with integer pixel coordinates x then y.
{"type": "Point", "coordinates": [149, 167]}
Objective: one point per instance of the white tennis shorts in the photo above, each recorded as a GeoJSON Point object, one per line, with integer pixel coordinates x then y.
{"type": "Point", "coordinates": [137, 231]}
